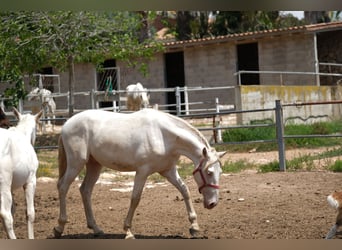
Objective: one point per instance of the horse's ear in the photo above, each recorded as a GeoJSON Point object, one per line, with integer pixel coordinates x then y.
{"type": "Point", "coordinates": [221, 154]}
{"type": "Point", "coordinates": [16, 113]}
{"type": "Point", "coordinates": [38, 115]}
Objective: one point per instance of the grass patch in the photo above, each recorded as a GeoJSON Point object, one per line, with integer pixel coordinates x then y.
{"type": "Point", "coordinates": [337, 166]}
{"type": "Point", "coordinates": [48, 164]}
{"type": "Point", "coordinates": [237, 166]}
{"type": "Point", "coordinates": [269, 167]}
{"type": "Point", "coordinates": [269, 133]}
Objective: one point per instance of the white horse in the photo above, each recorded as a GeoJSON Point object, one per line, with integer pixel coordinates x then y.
{"type": "Point", "coordinates": [47, 100]}
{"type": "Point", "coordinates": [137, 97]}
{"type": "Point", "coordinates": [18, 166]}
{"type": "Point", "coordinates": [146, 141]}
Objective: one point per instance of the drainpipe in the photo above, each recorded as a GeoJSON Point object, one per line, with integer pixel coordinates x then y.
{"type": "Point", "coordinates": [316, 60]}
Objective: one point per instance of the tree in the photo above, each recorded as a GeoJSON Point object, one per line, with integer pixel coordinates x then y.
{"type": "Point", "coordinates": [183, 28]}
{"type": "Point", "coordinates": [312, 17]}
{"type": "Point", "coordinates": [199, 24]}
{"type": "Point", "coordinates": [32, 40]}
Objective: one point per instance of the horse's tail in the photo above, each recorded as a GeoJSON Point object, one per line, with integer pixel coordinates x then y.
{"type": "Point", "coordinates": [62, 164]}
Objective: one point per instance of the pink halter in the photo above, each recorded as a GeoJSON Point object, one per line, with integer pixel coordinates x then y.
{"type": "Point", "coordinates": [199, 169]}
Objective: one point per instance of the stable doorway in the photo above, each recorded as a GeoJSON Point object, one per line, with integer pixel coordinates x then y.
{"type": "Point", "coordinates": [174, 76]}
{"type": "Point", "coordinates": [248, 59]}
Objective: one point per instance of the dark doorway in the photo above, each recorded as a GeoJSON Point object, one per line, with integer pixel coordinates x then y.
{"type": "Point", "coordinates": [48, 82]}
{"type": "Point", "coordinates": [174, 76]}
{"type": "Point", "coordinates": [248, 59]}
{"type": "Point", "coordinates": [107, 80]}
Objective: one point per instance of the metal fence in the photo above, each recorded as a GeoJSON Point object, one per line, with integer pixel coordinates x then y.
{"type": "Point", "coordinates": [279, 125]}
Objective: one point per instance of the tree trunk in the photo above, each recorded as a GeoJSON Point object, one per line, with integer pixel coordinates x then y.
{"type": "Point", "coordinates": [71, 85]}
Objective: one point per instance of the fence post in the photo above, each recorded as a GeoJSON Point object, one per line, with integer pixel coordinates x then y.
{"type": "Point", "coordinates": [186, 100]}
{"type": "Point", "coordinates": [280, 135]}
{"type": "Point", "coordinates": [21, 106]}
{"type": "Point", "coordinates": [217, 123]}
{"type": "Point", "coordinates": [92, 98]}
{"type": "Point", "coordinates": [178, 101]}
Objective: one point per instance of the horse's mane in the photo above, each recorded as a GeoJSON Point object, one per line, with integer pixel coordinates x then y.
{"type": "Point", "coordinates": [183, 124]}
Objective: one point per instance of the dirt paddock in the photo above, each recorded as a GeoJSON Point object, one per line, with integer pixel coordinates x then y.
{"type": "Point", "coordinates": [290, 205]}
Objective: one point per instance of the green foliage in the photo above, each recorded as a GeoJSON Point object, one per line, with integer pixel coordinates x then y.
{"type": "Point", "coordinates": [319, 128]}
{"type": "Point", "coordinates": [337, 166]}
{"type": "Point", "coordinates": [238, 166]}
{"type": "Point", "coordinates": [30, 40]}
{"type": "Point", "coordinates": [249, 134]}
{"type": "Point", "coordinates": [269, 167]}
{"type": "Point", "coordinates": [269, 133]}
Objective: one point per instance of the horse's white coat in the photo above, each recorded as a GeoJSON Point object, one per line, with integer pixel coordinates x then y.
{"type": "Point", "coordinates": [47, 101]}
{"type": "Point", "coordinates": [137, 97]}
{"type": "Point", "coordinates": [146, 141]}
{"type": "Point", "coordinates": [18, 168]}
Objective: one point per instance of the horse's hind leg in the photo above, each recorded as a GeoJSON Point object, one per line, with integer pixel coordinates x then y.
{"type": "Point", "coordinates": [86, 189]}
{"type": "Point", "coordinates": [63, 186]}
{"type": "Point", "coordinates": [29, 194]}
{"type": "Point", "coordinates": [5, 212]}
{"type": "Point", "coordinates": [173, 177]}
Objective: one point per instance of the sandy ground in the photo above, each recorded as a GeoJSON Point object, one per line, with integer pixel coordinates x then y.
{"type": "Point", "coordinates": [279, 205]}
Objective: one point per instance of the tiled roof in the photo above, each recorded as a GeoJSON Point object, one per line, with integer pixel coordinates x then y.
{"type": "Point", "coordinates": [321, 27]}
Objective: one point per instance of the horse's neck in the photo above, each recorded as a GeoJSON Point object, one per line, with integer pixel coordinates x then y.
{"type": "Point", "coordinates": [28, 133]}
{"type": "Point", "coordinates": [191, 145]}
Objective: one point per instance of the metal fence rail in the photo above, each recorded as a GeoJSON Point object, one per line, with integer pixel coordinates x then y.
{"type": "Point", "coordinates": [279, 125]}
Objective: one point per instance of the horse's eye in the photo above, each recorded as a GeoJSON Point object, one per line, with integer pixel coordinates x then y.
{"type": "Point", "coordinates": [210, 170]}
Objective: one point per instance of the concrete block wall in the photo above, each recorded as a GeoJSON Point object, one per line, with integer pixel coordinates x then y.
{"type": "Point", "coordinates": [84, 81]}
{"type": "Point", "coordinates": [264, 97]}
{"type": "Point", "coordinates": [153, 79]}
{"type": "Point", "coordinates": [211, 66]}
{"type": "Point", "coordinates": [287, 53]}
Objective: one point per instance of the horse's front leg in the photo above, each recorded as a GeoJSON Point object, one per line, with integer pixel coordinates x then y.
{"type": "Point", "coordinates": [29, 194]}
{"type": "Point", "coordinates": [173, 177]}
{"type": "Point", "coordinates": [139, 183]}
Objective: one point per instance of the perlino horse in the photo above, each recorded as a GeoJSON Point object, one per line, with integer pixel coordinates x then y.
{"type": "Point", "coordinates": [47, 100]}
{"type": "Point", "coordinates": [146, 141]}
{"type": "Point", "coordinates": [18, 168]}
{"type": "Point", "coordinates": [137, 97]}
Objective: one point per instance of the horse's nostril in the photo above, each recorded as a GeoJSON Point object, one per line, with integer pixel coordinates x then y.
{"type": "Point", "coordinates": [212, 205]}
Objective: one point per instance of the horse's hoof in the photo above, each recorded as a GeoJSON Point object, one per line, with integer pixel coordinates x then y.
{"type": "Point", "coordinates": [194, 232]}
{"type": "Point", "coordinates": [129, 235]}
{"type": "Point", "coordinates": [98, 233]}
{"type": "Point", "coordinates": [57, 233]}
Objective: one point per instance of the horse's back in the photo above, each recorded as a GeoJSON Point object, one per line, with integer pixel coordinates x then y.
{"type": "Point", "coordinates": [106, 136]}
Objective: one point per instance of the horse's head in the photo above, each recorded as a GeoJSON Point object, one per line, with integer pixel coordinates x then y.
{"type": "Point", "coordinates": [32, 96]}
{"type": "Point", "coordinates": [144, 99]}
{"type": "Point", "coordinates": [207, 175]}
{"type": "Point", "coordinates": [139, 95]}
{"type": "Point", "coordinates": [27, 124]}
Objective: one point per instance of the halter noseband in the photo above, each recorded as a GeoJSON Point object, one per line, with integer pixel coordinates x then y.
{"type": "Point", "coordinates": [199, 169]}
